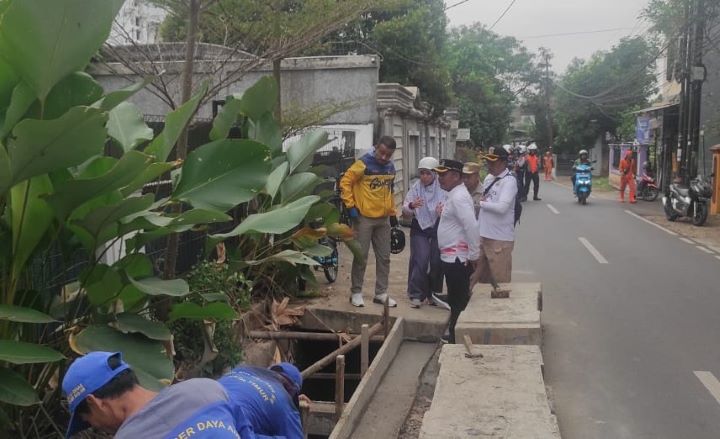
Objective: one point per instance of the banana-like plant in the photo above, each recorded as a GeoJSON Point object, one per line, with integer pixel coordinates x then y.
{"type": "Point", "coordinates": [61, 191]}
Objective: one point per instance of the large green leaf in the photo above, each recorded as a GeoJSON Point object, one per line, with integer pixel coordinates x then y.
{"type": "Point", "coordinates": [226, 118]}
{"type": "Point", "coordinates": [20, 352]}
{"type": "Point", "coordinates": [103, 284]}
{"type": "Point", "coordinates": [300, 153]}
{"type": "Point", "coordinates": [298, 185]}
{"type": "Point", "coordinates": [276, 178]}
{"type": "Point", "coordinates": [213, 311]}
{"type": "Point", "coordinates": [267, 131]}
{"type": "Point", "coordinates": [276, 221]}
{"type": "Point", "coordinates": [14, 390]}
{"type": "Point", "coordinates": [24, 315]}
{"type": "Point", "coordinates": [129, 322]}
{"type": "Point", "coordinates": [126, 125]}
{"type": "Point", "coordinates": [42, 146]}
{"type": "Point", "coordinates": [5, 176]}
{"type": "Point", "coordinates": [102, 224]}
{"type": "Point", "coordinates": [175, 123]}
{"type": "Point", "coordinates": [223, 174]}
{"type": "Point", "coordinates": [292, 257]}
{"type": "Point", "coordinates": [114, 98]}
{"type": "Point", "coordinates": [149, 174]}
{"type": "Point", "coordinates": [44, 41]}
{"type": "Point", "coordinates": [74, 90]}
{"type": "Point", "coordinates": [328, 212]}
{"type": "Point", "coordinates": [259, 99]}
{"type": "Point", "coordinates": [140, 352]}
{"type": "Point", "coordinates": [31, 218]}
{"type": "Point", "coordinates": [20, 102]}
{"type": "Point", "coordinates": [73, 193]}
{"type": "Point", "coordinates": [158, 287]}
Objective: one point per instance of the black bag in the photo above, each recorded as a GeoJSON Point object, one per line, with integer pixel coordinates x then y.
{"type": "Point", "coordinates": [518, 195]}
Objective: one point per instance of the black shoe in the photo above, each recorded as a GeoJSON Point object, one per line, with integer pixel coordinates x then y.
{"type": "Point", "coordinates": [537, 199]}
{"type": "Point", "coordinates": [445, 339]}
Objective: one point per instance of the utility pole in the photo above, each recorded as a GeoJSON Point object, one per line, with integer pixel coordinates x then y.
{"type": "Point", "coordinates": [548, 115]}
{"type": "Point", "coordinates": [696, 78]}
{"type": "Point", "coordinates": [682, 74]}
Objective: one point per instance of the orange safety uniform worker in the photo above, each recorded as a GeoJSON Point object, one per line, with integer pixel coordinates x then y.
{"type": "Point", "coordinates": [548, 165]}
{"type": "Point", "coordinates": [627, 176]}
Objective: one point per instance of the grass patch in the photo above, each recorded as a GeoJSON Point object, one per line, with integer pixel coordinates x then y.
{"type": "Point", "coordinates": [602, 184]}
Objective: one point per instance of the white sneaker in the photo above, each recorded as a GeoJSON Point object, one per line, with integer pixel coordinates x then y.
{"type": "Point", "coordinates": [382, 298]}
{"type": "Point", "coordinates": [415, 303]}
{"type": "Point", "coordinates": [439, 302]}
{"type": "Point", "coordinates": [357, 300]}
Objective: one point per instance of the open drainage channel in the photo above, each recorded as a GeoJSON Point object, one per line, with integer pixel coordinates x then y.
{"type": "Point", "coordinates": [341, 369]}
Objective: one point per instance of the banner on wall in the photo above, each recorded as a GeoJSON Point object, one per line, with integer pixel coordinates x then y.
{"type": "Point", "coordinates": [642, 130]}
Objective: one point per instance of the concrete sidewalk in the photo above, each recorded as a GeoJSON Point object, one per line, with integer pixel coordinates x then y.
{"type": "Point", "coordinates": [426, 323]}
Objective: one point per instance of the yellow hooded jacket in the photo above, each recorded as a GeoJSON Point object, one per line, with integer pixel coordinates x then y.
{"type": "Point", "coordinates": [368, 186]}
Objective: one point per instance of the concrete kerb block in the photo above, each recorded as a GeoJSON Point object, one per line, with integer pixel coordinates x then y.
{"type": "Point", "coordinates": [512, 321]}
{"type": "Point", "coordinates": [500, 395]}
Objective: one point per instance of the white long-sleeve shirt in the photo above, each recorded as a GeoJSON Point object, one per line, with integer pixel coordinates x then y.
{"type": "Point", "coordinates": [458, 234]}
{"type": "Point", "coordinates": [497, 213]}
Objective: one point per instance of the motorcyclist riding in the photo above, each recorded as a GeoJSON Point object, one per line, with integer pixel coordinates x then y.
{"type": "Point", "coordinates": [583, 158]}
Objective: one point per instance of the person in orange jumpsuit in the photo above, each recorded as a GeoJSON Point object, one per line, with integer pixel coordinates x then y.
{"type": "Point", "coordinates": [627, 176]}
{"type": "Point", "coordinates": [548, 165]}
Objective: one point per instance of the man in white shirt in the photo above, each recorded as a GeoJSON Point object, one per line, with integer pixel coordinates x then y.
{"type": "Point", "coordinates": [458, 239]}
{"type": "Point", "coordinates": [496, 221]}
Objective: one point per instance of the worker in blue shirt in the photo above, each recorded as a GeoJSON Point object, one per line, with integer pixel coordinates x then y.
{"type": "Point", "coordinates": [268, 397]}
{"type": "Point", "coordinates": [103, 392]}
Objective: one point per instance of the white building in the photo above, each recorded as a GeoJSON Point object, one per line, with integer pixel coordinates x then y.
{"type": "Point", "coordinates": [137, 22]}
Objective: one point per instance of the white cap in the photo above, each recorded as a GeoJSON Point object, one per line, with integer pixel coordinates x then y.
{"type": "Point", "coordinates": [532, 147]}
{"type": "Point", "coordinates": [429, 163]}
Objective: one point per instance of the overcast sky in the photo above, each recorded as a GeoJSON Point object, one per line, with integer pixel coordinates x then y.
{"type": "Point", "coordinates": [531, 20]}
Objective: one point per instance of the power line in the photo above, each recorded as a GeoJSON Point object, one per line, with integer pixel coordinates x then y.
{"type": "Point", "coordinates": [575, 33]}
{"type": "Point", "coordinates": [455, 4]}
{"type": "Point", "coordinates": [503, 14]}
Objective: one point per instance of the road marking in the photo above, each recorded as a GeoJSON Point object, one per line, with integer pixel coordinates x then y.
{"type": "Point", "coordinates": [552, 209]}
{"type": "Point", "coordinates": [687, 241]}
{"type": "Point", "coordinates": [669, 232]}
{"type": "Point", "coordinates": [710, 382]}
{"type": "Point", "coordinates": [593, 251]}
{"type": "Point", "coordinates": [706, 250]}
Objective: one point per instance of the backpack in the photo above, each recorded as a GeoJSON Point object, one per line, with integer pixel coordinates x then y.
{"type": "Point", "coordinates": [518, 204]}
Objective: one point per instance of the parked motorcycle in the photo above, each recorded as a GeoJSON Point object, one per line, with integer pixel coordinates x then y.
{"type": "Point", "coordinates": [583, 182]}
{"type": "Point", "coordinates": [692, 202]}
{"type": "Point", "coordinates": [647, 188]}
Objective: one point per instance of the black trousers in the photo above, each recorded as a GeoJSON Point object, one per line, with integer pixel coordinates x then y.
{"type": "Point", "coordinates": [535, 178]}
{"type": "Point", "coordinates": [457, 278]}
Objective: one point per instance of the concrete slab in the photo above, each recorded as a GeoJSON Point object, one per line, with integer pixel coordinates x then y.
{"type": "Point", "coordinates": [499, 396]}
{"type": "Point", "coordinates": [385, 414]}
{"type": "Point", "coordinates": [511, 321]}
{"type": "Point", "coordinates": [335, 311]}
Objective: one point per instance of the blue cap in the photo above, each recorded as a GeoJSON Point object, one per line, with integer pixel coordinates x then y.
{"type": "Point", "coordinates": [84, 376]}
{"type": "Point", "coordinates": [290, 371]}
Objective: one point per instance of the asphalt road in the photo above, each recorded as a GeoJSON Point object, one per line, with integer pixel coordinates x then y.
{"type": "Point", "coordinates": [631, 317]}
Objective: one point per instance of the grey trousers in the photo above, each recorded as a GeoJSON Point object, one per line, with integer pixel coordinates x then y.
{"type": "Point", "coordinates": [425, 269]}
{"type": "Point", "coordinates": [377, 232]}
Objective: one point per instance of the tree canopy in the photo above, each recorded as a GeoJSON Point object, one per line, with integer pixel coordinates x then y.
{"type": "Point", "coordinates": [598, 95]}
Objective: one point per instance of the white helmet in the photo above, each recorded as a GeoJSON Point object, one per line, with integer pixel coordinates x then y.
{"type": "Point", "coordinates": [583, 151]}
{"type": "Point", "coordinates": [523, 149]}
{"type": "Point", "coordinates": [428, 163]}
{"type": "Point", "coordinates": [532, 147]}
{"type": "Point", "coordinates": [508, 148]}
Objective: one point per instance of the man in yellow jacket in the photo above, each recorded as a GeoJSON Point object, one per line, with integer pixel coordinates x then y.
{"type": "Point", "coordinates": [367, 192]}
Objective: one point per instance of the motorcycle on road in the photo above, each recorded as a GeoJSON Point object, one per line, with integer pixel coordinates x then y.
{"type": "Point", "coordinates": [583, 182]}
{"type": "Point", "coordinates": [688, 201]}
